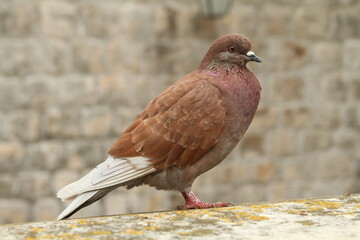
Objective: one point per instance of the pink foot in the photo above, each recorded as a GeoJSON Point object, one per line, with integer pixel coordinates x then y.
{"type": "Point", "coordinates": [192, 202]}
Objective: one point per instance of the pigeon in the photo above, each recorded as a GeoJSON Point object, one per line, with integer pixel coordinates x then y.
{"type": "Point", "coordinates": [186, 130]}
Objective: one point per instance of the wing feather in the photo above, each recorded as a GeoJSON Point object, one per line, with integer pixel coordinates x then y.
{"type": "Point", "coordinates": [178, 127]}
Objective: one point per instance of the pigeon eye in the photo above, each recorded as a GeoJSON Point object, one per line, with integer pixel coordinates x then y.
{"type": "Point", "coordinates": [231, 49]}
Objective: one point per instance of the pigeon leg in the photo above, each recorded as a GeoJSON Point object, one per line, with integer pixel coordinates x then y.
{"type": "Point", "coordinates": [191, 202]}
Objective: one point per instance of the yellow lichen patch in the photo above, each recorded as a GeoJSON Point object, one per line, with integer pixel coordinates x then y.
{"type": "Point", "coordinates": [36, 229]}
{"type": "Point", "coordinates": [242, 214]}
{"type": "Point", "coordinates": [194, 212]}
{"type": "Point", "coordinates": [160, 215]}
{"type": "Point", "coordinates": [225, 219]}
{"type": "Point", "coordinates": [293, 211]}
{"type": "Point", "coordinates": [324, 204]}
{"type": "Point", "coordinates": [357, 206]}
{"type": "Point", "coordinates": [314, 208]}
{"type": "Point", "coordinates": [72, 225]}
{"type": "Point", "coordinates": [297, 201]}
{"type": "Point", "coordinates": [306, 223]}
{"type": "Point", "coordinates": [65, 235]}
{"type": "Point", "coordinates": [231, 208]}
{"type": "Point", "coordinates": [101, 232]}
{"type": "Point", "coordinates": [348, 213]}
{"type": "Point", "coordinates": [151, 228]}
{"type": "Point", "coordinates": [30, 238]}
{"type": "Point", "coordinates": [81, 221]}
{"type": "Point", "coordinates": [213, 214]}
{"type": "Point", "coordinates": [87, 222]}
{"type": "Point", "coordinates": [131, 231]}
{"type": "Point", "coordinates": [259, 206]}
{"type": "Point", "coordinates": [257, 218]}
{"type": "Point", "coordinates": [200, 232]}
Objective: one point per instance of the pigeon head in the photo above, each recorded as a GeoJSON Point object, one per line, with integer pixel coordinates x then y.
{"type": "Point", "coordinates": [227, 51]}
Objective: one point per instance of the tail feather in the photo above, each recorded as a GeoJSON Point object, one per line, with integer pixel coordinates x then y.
{"type": "Point", "coordinates": [79, 202]}
{"type": "Point", "coordinates": [105, 177]}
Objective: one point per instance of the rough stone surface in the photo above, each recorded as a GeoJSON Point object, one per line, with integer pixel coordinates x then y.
{"type": "Point", "coordinates": [317, 218]}
{"type": "Point", "coordinates": [73, 75]}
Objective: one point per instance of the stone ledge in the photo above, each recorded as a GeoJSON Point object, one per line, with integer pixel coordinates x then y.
{"type": "Point", "coordinates": [321, 218]}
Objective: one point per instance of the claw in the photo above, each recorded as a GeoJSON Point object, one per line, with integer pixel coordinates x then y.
{"type": "Point", "coordinates": [192, 202]}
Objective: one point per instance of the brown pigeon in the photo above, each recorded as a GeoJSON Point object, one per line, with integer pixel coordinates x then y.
{"type": "Point", "coordinates": [185, 131]}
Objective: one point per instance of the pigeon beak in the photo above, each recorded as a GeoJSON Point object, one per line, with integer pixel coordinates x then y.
{"type": "Point", "coordinates": [252, 57]}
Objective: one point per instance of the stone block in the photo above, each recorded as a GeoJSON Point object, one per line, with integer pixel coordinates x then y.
{"type": "Point", "coordinates": [352, 117]}
{"type": "Point", "coordinates": [45, 155]}
{"type": "Point", "coordinates": [235, 172]}
{"type": "Point", "coordinates": [311, 21]}
{"type": "Point", "coordinates": [356, 88]}
{"type": "Point", "coordinates": [179, 20]}
{"type": "Point", "coordinates": [34, 184]}
{"type": "Point", "coordinates": [52, 124]}
{"type": "Point", "coordinates": [46, 209]}
{"type": "Point", "coordinates": [241, 13]}
{"type": "Point", "coordinates": [288, 88]}
{"type": "Point", "coordinates": [63, 177]}
{"type": "Point", "coordinates": [61, 123]}
{"type": "Point", "coordinates": [14, 210]}
{"type": "Point", "coordinates": [89, 56]}
{"type": "Point", "coordinates": [100, 21]}
{"type": "Point", "coordinates": [77, 90]}
{"type": "Point", "coordinates": [265, 118]}
{"type": "Point", "coordinates": [111, 88]}
{"type": "Point", "coordinates": [22, 124]}
{"type": "Point", "coordinates": [291, 169]}
{"type": "Point", "coordinates": [24, 57]}
{"type": "Point", "coordinates": [336, 88]}
{"type": "Point", "coordinates": [316, 139]}
{"type": "Point", "coordinates": [116, 56]}
{"type": "Point", "coordinates": [115, 203]}
{"type": "Point", "coordinates": [71, 121]}
{"type": "Point", "coordinates": [159, 200]}
{"type": "Point", "coordinates": [275, 191]}
{"type": "Point", "coordinates": [42, 92]}
{"type": "Point", "coordinates": [297, 117]}
{"type": "Point", "coordinates": [12, 94]}
{"type": "Point", "coordinates": [283, 143]}
{"type": "Point", "coordinates": [351, 55]}
{"type": "Point", "coordinates": [250, 192]}
{"type": "Point", "coordinates": [265, 171]}
{"type": "Point", "coordinates": [334, 164]}
{"type": "Point", "coordinates": [95, 209]}
{"type": "Point", "coordinates": [59, 19]}
{"type": "Point", "coordinates": [344, 23]}
{"type": "Point", "coordinates": [289, 54]}
{"type": "Point", "coordinates": [11, 154]}
{"type": "Point", "coordinates": [133, 15]}
{"type": "Point", "coordinates": [326, 117]}
{"type": "Point", "coordinates": [325, 55]}
{"type": "Point", "coordinates": [6, 185]}
{"type": "Point", "coordinates": [60, 56]}
{"type": "Point", "coordinates": [252, 144]}
{"type": "Point", "coordinates": [96, 122]}
{"type": "Point", "coordinates": [278, 19]}
{"type": "Point", "coordinates": [19, 19]}
{"type": "Point", "coordinates": [81, 154]}
{"type": "Point", "coordinates": [136, 200]}
{"type": "Point", "coordinates": [346, 138]}
{"type": "Point", "coordinates": [296, 188]}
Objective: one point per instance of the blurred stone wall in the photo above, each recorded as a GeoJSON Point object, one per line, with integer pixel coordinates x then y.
{"type": "Point", "coordinates": [73, 75]}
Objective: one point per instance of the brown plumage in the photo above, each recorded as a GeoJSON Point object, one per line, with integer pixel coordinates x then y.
{"type": "Point", "coordinates": [183, 132]}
